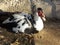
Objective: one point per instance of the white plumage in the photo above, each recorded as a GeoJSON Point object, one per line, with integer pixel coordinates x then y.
{"type": "Point", "coordinates": [39, 23]}
{"type": "Point", "coordinates": [23, 22]}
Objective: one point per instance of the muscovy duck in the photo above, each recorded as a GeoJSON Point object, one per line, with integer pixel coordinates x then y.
{"type": "Point", "coordinates": [17, 22]}
{"type": "Point", "coordinates": [21, 21]}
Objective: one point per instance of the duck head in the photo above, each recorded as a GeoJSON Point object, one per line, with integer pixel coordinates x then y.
{"type": "Point", "coordinates": [41, 14]}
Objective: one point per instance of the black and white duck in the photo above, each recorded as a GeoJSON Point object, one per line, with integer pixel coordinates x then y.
{"type": "Point", "coordinates": [21, 21]}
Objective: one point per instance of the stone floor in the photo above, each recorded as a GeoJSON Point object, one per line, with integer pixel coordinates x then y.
{"type": "Point", "coordinates": [50, 35]}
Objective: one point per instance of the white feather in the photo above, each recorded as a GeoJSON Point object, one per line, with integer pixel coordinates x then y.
{"type": "Point", "coordinates": [39, 23]}
{"type": "Point", "coordinates": [7, 21]}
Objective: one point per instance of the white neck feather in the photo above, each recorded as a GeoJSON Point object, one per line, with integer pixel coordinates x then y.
{"type": "Point", "coordinates": [39, 23]}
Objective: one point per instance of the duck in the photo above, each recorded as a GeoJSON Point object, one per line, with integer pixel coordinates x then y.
{"type": "Point", "coordinates": [25, 23]}
{"type": "Point", "coordinates": [38, 19]}
{"type": "Point", "coordinates": [17, 22]}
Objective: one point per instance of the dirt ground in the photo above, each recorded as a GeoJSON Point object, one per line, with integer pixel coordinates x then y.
{"type": "Point", "coordinates": [50, 35]}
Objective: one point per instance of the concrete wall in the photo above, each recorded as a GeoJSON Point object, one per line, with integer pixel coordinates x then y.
{"type": "Point", "coordinates": [15, 5]}
{"type": "Point", "coordinates": [57, 3]}
{"type": "Point", "coordinates": [50, 8]}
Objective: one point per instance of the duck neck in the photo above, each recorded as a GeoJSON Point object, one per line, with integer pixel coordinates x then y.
{"type": "Point", "coordinates": [36, 17]}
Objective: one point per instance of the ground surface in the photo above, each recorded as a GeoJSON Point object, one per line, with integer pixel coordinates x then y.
{"type": "Point", "coordinates": [50, 35]}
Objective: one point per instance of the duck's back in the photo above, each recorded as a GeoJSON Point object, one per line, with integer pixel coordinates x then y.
{"type": "Point", "coordinates": [20, 22]}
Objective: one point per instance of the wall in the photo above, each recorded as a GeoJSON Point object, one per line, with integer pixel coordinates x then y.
{"type": "Point", "coordinates": [15, 5]}
{"type": "Point", "coordinates": [50, 8]}
{"type": "Point", "coordinates": [57, 3]}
